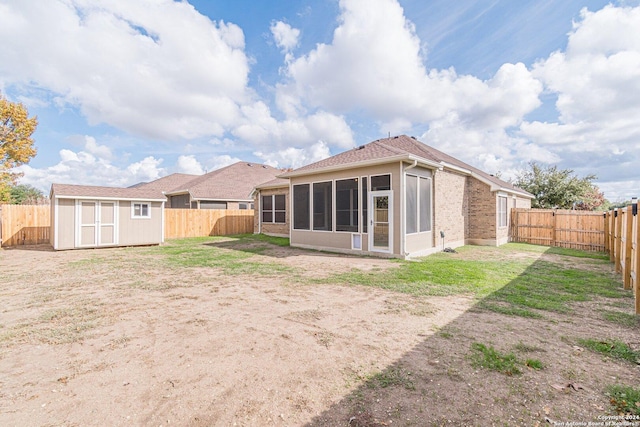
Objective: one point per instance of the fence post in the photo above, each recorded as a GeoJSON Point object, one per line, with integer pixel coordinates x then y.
{"type": "Point", "coordinates": [617, 218]}
{"type": "Point", "coordinates": [627, 249]}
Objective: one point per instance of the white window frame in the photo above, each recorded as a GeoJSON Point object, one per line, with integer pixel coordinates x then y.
{"type": "Point", "coordinates": [418, 203]}
{"type": "Point", "coordinates": [503, 214]}
{"type": "Point", "coordinates": [133, 210]}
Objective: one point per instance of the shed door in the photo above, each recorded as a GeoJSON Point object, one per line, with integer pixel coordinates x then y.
{"type": "Point", "coordinates": [107, 224]}
{"type": "Point", "coordinates": [88, 220]}
{"type": "Point", "coordinates": [97, 223]}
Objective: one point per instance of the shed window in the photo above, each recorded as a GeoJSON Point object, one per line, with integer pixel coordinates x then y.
{"type": "Point", "coordinates": [301, 210]}
{"type": "Point", "coordinates": [140, 210]}
{"type": "Point", "coordinates": [322, 206]}
{"type": "Point", "coordinates": [502, 211]}
{"type": "Point", "coordinates": [274, 208]}
{"type": "Point", "coordinates": [347, 205]}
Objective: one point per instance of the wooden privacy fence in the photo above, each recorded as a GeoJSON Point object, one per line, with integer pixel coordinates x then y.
{"type": "Point", "coordinates": [623, 237]}
{"type": "Point", "coordinates": [180, 223]}
{"type": "Point", "coordinates": [24, 224]}
{"type": "Point", "coordinates": [563, 228]}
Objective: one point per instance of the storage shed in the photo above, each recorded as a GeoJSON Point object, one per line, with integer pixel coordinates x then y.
{"type": "Point", "coordinates": [85, 216]}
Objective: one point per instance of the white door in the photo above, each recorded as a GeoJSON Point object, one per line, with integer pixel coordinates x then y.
{"type": "Point", "coordinates": [107, 224]}
{"type": "Point", "coordinates": [381, 221]}
{"type": "Point", "coordinates": [97, 223]}
{"type": "Point", "coordinates": [88, 224]}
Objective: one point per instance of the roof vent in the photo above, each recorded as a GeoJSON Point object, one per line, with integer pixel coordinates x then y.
{"type": "Point", "coordinates": [264, 166]}
{"type": "Point", "coordinates": [360, 147]}
{"type": "Point", "coordinates": [249, 164]}
{"type": "Point", "coordinates": [413, 137]}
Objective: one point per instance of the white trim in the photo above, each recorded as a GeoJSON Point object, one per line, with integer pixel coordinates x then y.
{"type": "Point", "coordinates": [363, 164]}
{"type": "Point", "coordinates": [371, 196]}
{"type": "Point", "coordinates": [107, 198]}
{"type": "Point", "coordinates": [114, 224]}
{"type": "Point", "coordinates": [162, 219]}
{"type": "Point", "coordinates": [56, 213]}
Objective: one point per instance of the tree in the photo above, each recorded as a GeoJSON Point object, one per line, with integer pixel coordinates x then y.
{"type": "Point", "coordinates": [25, 194]}
{"type": "Point", "coordinates": [16, 144]}
{"type": "Point", "coordinates": [554, 188]}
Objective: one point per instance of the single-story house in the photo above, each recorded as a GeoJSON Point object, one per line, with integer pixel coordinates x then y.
{"type": "Point", "coordinates": [226, 188]}
{"type": "Point", "coordinates": [85, 216]}
{"type": "Point", "coordinates": [395, 197]}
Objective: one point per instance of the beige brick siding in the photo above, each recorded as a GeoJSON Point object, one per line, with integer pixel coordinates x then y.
{"type": "Point", "coordinates": [271, 228]}
{"type": "Point", "coordinates": [483, 211]}
{"type": "Point", "coordinates": [450, 206]}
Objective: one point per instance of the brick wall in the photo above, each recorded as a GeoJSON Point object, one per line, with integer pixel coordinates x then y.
{"type": "Point", "coordinates": [451, 206]}
{"type": "Point", "coordinates": [483, 211]}
{"type": "Point", "coordinates": [270, 228]}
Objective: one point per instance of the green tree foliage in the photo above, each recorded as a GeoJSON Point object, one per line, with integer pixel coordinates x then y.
{"type": "Point", "coordinates": [25, 194]}
{"type": "Point", "coordinates": [16, 144]}
{"type": "Point", "coordinates": [562, 189]}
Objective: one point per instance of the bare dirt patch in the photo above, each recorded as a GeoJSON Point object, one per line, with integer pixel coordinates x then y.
{"type": "Point", "coordinates": [116, 336]}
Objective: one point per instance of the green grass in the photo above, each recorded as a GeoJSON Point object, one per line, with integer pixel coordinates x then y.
{"type": "Point", "coordinates": [534, 364]}
{"type": "Point", "coordinates": [489, 358]}
{"type": "Point", "coordinates": [223, 253]}
{"type": "Point", "coordinates": [623, 319]}
{"type": "Point", "coordinates": [393, 376]}
{"type": "Point", "coordinates": [524, 287]}
{"type": "Point", "coordinates": [624, 399]}
{"type": "Point", "coordinates": [613, 348]}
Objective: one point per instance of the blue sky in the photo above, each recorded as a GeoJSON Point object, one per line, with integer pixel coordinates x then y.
{"type": "Point", "coordinates": [128, 91]}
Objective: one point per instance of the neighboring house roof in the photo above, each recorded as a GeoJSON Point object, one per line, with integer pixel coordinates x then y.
{"type": "Point", "coordinates": [234, 182]}
{"type": "Point", "coordinates": [105, 193]}
{"type": "Point", "coordinates": [167, 183]}
{"type": "Point", "coordinates": [399, 148]}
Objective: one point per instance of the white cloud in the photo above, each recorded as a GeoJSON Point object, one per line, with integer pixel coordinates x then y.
{"type": "Point", "coordinates": [597, 83]}
{"type": "Point", "coordinates": [155, 68]}
{"type": "Point", "coordinates": [295, 157]}
{"type": "Point", "coordinates": [217, 162]}
{"type": "Point", "coordinates": [260, 128]}
{"type": "Point", "coordinates": [189, 164]}
{"type": "Point", "coordinates": [88, 167]}
{"type": "Point", "coordinates": [285, 36]}
{"type": "Point", "coordinates": [374, 63]}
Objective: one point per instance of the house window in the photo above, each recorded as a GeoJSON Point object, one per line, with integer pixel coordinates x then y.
{"type": "Point", "coordinates": [425, 204]}
{"type": "Point", "coordinates": [380, 182]}
{"type": "Point", "coordinates": [140, 210]}
{"type": "Point", "coordinates": [418, 204]}
{"type": "Point", "coordinates": [322, 206]}
{"type": "Point", "coordinates": [502, 211]}
{"type": "Point", "coordinates": [273, 208]}
{"type": "Point", "coordinates": [365, 203]}
{"type": "Point", "coordinates": [301, 211]}
{"type": "Point", "coordinates": [347, 205]}
{"type": "Point", "coordinates": [213, 205]}
{"type": "Point", "coordinates": [242, 206]}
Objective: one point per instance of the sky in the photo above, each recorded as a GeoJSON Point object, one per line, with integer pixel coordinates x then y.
{"type": "Point", "coordinates": [127, 91]}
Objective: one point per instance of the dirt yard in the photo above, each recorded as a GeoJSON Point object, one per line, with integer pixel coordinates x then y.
{"type": "Point", "coordinates": [123, 337]}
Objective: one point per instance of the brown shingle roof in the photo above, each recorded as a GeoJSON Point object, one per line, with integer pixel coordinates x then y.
{"type": "Point", "coordinates": [167, 183]}
{"type": "Point", "coordinates": [234, 182]}
{"type": "Point", "coordinates": [398, 147]}
{"type": "Point", "coordinates": [72, 191]}
{"type": "Point", "coordinates": [274, 183]}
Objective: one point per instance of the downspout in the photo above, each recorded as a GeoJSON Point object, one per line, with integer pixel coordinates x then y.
{"type": "Point", "coordinates": [403, 218]}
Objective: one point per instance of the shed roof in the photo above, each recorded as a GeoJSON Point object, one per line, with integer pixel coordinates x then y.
{"type": "Point", "coordinates": [234, 182]}
{"type": "Point", "coordinates": [111, 193]}
{"type": "Point", "coordinates": [401, 147]}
